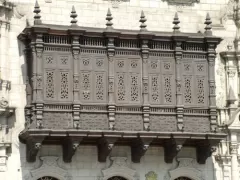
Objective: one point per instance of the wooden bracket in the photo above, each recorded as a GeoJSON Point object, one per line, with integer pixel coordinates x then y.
{"type": "Point", "coordinates": [171, 149]}
{"type": "Point", "coordinates": [105, 146]}
{"type": "Point", "coordinates": [69, 146]}
{"type": "Point", "coordinates": [33, 145]}
{"type": "Point", "coordinates": [204, 150]}
{"type": "Point", "coordinates": [139, 148]}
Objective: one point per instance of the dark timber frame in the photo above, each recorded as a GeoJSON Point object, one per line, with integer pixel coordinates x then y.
{"type": "Point", "coordinates": [108, 87]}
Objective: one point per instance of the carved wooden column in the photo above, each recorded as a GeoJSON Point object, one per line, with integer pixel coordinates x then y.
{"type": "Point", "coordinates": [38, 63]}
{"type": "Point", "coordinates": [178, 58]}
{"type": "Point", "coordinates": [145, 36]}
{"type": "Point", "coordinates": [76, 33]}
{"type": "Point", "coordinates": [110, 34]}
{"type": "Point", "coordinates": [111, 102]}
{"type": "Point", "coordinates": [76, 98]}
{"type": "Point", "coordinates": [211, 43]}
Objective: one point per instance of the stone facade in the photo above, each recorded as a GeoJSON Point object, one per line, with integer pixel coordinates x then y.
{"type": "Point", "coordinates": [15, 15]}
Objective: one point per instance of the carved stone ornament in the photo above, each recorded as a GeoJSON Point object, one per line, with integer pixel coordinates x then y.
{"type": "Point", "coordinates": [3, 103]}
{"type": "Point", "coordinates": [116, 3]}
{"type": "Point", "coordinates": [186, 168]}
{"type": "Point", "coordinates": [70, 146]}
{"type": "Point", "coordinates": [119, 167]}
{"type": "Point", "coordinates": [104, 148]}
{"type": "Point", "coordinates": [49, 167]}
{"type": "Point", "coordinates": [182, 2]}
{"type": "Point", "coordinates": [151, 175]}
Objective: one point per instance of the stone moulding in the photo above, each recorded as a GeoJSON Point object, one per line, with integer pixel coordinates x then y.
{"type": "Point", "coordinates": [186, 168]}
{"type": "Point", "coordinates": [118, 167]}
{"type": "Point", "coordinates": [49, 167]}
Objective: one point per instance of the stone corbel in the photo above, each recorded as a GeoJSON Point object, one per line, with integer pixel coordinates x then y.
{"type": "Point", "coordinates": [171, 149]}
{"type": "Point", "coordinates": [33, 145]}
{"type": "Point", "coordinates": [204, 150]}
{"type": "Point", "coordinates": [139, 148]}
{"type": "Point", "coordinates": [70, 145]}
{"type": "Point", "coordinates": [105, 146]}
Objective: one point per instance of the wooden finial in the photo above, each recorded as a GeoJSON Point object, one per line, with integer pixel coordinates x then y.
{"type": "Point", "coordinates": [208, 22]}
{"type": "Point", "coordinates": [37, 16]}
{"type": "Point", "coordinates": [109, 20]}
{"type": "Point", "coordinates": [143, 20]}
{"type": "Point", "coordinates": [176, 21]}
{"type": "Point", "coordinates": [73, 16]}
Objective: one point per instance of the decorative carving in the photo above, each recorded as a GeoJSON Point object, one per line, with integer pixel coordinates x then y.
{"type": "Point", "coordinates": [105, 146]}
{"type": "Point", "coordinates": [134, 88]}
{"type": "Point", "coordinates": [120, 64]}
{"type": "Point", "coordinates": [49, 60]}
{"type": "Point", "coordinates": [171, 148]}
{"type": "Point", "coordinates": [204, 151]}
{"type": "Point", "coordinates": [3, 103]}
{"type": "Point", "coordinates": [70, 145]}
{"type": "Point", "coordinates": [64, 85]}
{"type": "Point", "coordinates": [99, 62]}
{"type": "Point", "coordinates": [185, 165]}
{"type": "Point", "coordinates": [188, 90]}
{"type": "Point", "coordinates": [200, 91]}
{"type": "Point", "coordinates": [64, 60]}
{"type": "Point", "coordinates": [99, 87]}
{"type": "Point", "coordinates": [111, 84]}
{"type": "Point", "coordinates": [139, 148]}
{"type": "Point", "coordinates": [167, 90]}
{"type": "Point", "coordinates": [86, 61]}
{"type": "Point", "coordinates": [50, 90]}
{"type": "Point", "coordinates": [49, 168]}
{"type": "Point", "coordinates": [117, 167]}
{"type": "Point", "coordinates": [151, 176]}
{"type": "Point", "coordinates": [121, 92]}
{"type": "Point", "coordinates": [33, 146]}
{"type": "Point", "coordinates": [154, 64]}
{"type": "Point", "coordinates": [86, 86]}
{"type": "Point", "coordinates": [155, 89]}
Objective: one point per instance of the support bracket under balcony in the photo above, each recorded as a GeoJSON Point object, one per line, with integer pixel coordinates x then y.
{"type": "Point", "coordinates": [139, 147]}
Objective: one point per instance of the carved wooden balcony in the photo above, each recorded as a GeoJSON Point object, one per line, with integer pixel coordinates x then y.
{"type": "Point", "coordinates": [109, 87]}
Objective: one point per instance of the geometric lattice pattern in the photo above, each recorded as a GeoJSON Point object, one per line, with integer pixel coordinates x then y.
{"type": "Point", "coordinates": [47, 178]}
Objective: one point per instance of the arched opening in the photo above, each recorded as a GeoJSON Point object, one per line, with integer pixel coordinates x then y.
{"type": "Point", "coordinates": [183, 178]}
{"type": "Point", "coordinates": [47, 178]}
{"type": "Point", "coordinates": [117, 178]}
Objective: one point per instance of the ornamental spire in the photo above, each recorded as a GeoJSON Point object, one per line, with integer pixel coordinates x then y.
{"type": "Point", "coordinates": [176, 21]}
{"type": "Point", "coordinates": [208, 22]}
{"type": "Point", "coordinates": [73, 16]}
{"type": "Point", "coordinates": [143, 20]}
{"type": "Point", "coordinates": [109, 20]}
{"type": "Point", "coordinates": [37, 16]}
